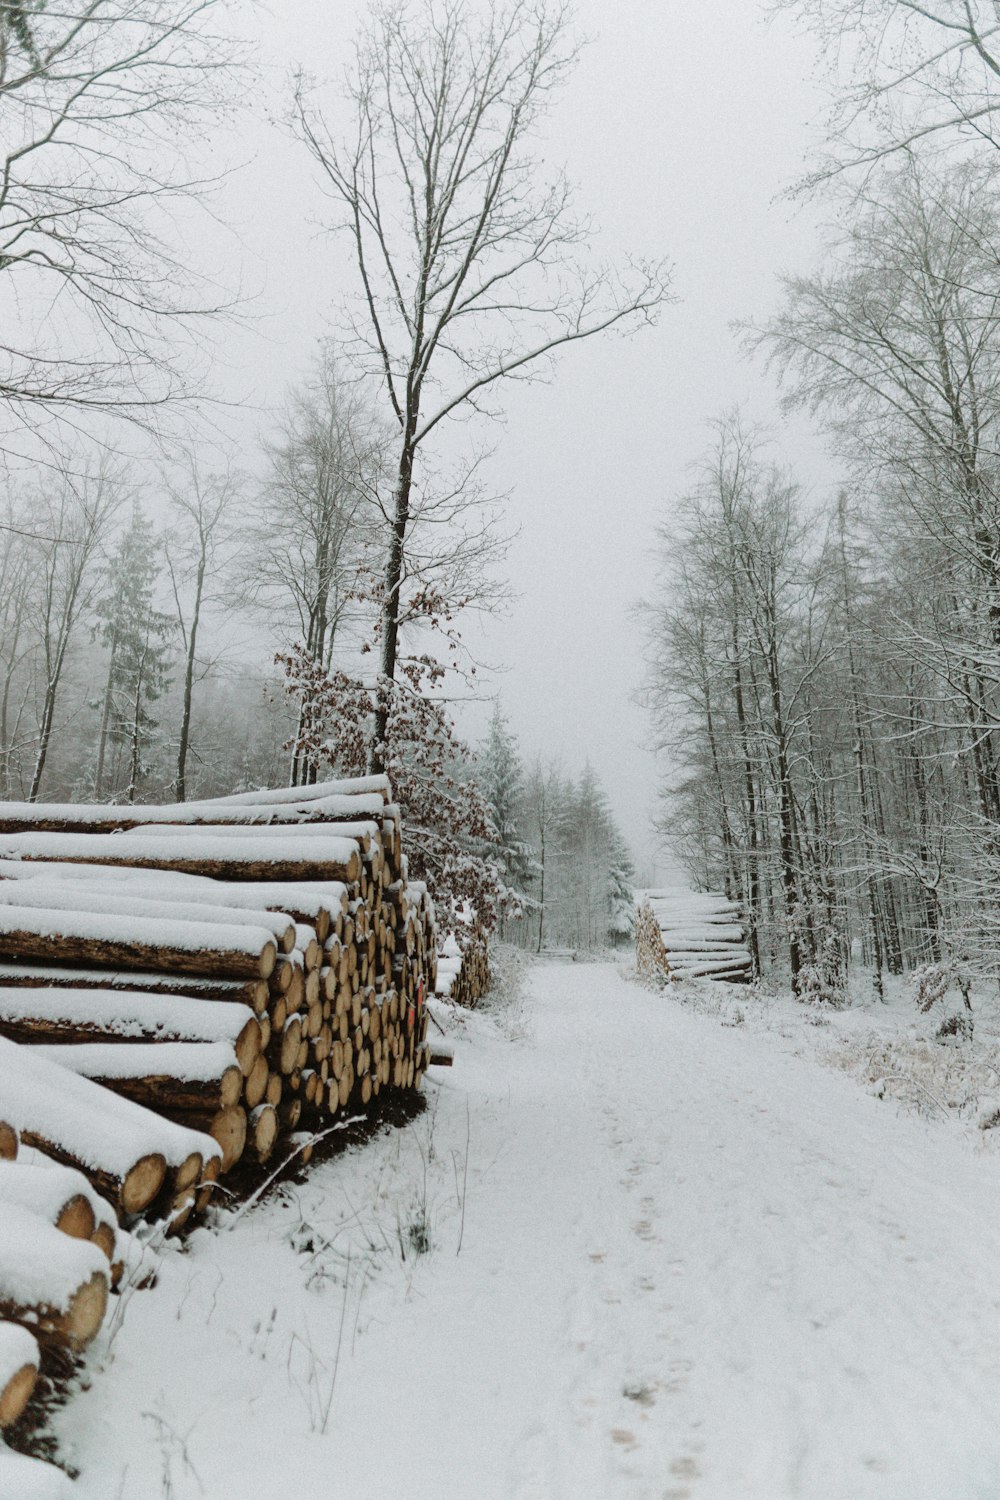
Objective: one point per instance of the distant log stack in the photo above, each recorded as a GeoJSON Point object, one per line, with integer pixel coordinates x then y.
{"type": "Point", "coordinates": [183, 987]}
{"type": "Point", "coordinates": [691, 935]}
{"type": "Point", "coordinates": [463, 969]}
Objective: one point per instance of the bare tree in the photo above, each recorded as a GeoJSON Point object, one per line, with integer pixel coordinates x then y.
{"type": "Point", "coordinates": [466, 252]}
{"type": "Point", "coordinates": [205, 506]}
{"type": "Point", "coordinates": [76, 511]}
{"type": "Point", "coordinates": [922, 74]}
{"type": "Point", "coordinates": [94, 296]}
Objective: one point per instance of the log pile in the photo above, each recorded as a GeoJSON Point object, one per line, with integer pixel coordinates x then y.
{"type": "Point", "coordinates": [691, 935]}
{"type": "Point", "coordinates": [183, 988]}
{"type": "Point", "coordinates": [463, 969]}
{"type": "Point", "coordinates": [59, 1244]}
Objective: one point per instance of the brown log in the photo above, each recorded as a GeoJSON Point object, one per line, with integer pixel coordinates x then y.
{"type": "Point", "coordinates": [187, 1076]}
{"type": "Point", "coordinates": [115, 898]}
{"type": "Point", "coordinates": [35, 933]}
{"type": "Point", "coordinates": [228, 1127]}
{"type": "Point", "coordinates": [263, 1131]}
{"type": "Point", "coordinates": [199, 854]}
{"type": "Point", "coordinates": [250, 992]}
{"type": "Point", "coordinates": [255, 1085]}
{"type": "Point", "coordinates": [122, 1148]}
{"type": "Point", "coordinates": [122, 1016]}
{"type": "Point", "coordinates": [8, 1142]}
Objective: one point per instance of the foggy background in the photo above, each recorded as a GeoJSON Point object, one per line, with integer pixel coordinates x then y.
{"type": "Point", "coordinates": [681, 133]}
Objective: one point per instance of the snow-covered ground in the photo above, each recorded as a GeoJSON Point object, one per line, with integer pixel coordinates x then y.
{"type": "Point", "coordinates": [639, 1245]}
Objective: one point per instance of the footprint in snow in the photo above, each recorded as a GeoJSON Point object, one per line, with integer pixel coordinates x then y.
{"type": "Point", "coordinates": [624, 1438]}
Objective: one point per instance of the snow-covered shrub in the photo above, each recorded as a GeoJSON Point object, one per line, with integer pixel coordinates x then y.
{"type": "Point", "coordinates": [959, 1025]}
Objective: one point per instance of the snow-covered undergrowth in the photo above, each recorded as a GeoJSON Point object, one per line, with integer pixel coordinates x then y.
{"type": "Point", "coordinates": [240, 1357]}
{"type": "Point", "coordinates": [888, 1046]}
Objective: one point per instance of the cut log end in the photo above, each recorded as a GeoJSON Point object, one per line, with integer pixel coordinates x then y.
{"type": "Point", "coordinates": [268, 959]}
{"type": "Point", "coordinates": [229, 1128]}
{"type": "Point", "coordinates": [264, 1131]}
{"type": "Point", "coordinates": [105, 1239]}
{"type": "Point", "coordinates": [86, 1311]}
{"type": "Point", "coordinates": [8, 1141]}
{"type": "Point", "coordinates": [189, 1171]}
{"type": "Point", "coordinates": [142, 1182]}
{"type": "Point", "coordinates": [76, 1218]}
{"type": "Point", "coordinates": [16, 1394]}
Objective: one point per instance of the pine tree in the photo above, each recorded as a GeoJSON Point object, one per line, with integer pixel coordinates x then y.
{"type": "Point", "coordinates": [501, 780]}
{"type": "Point", "coordinates": [620, 892]}
{"type": "Point", "coordinates": [137, 637]}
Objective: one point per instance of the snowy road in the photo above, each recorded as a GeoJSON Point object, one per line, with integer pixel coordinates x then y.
{"type": "Point", "coordinates": [717, 1271]}
{"type": "Point", "coordinates": [691, 1265]}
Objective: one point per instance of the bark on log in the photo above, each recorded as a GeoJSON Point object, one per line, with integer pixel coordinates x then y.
{"type": "Point", "coordinates": [123, 1016]}
{"type": "Point", "coordinates": [121, 1148]}
{"type": "Point", "coordinates": [239, 859]}
{"type": "Point", "coordinates": [83, 896]}
{"type": "Point", "coordinates": [163, 1076]}
{"type": "Point", "coordinates": [249, 992]}
{"type": "Point", "coordinates": [75, 817]}
{"type": "Point", "coordinates": [34, 933]}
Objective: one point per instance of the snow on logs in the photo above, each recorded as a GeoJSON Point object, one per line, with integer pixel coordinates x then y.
{"type": "Point", "coordinates": [124, 1150]}
{"type": "Point", "coordinates": [323, 990]}
{"type": "Point", "coordinates": [463, 971]}
{"type": "Point", "coordinates": [51, 1284]}
{"type": "Point", "coordinates": [691, 935]}
{"type": "Point", "coordinates": [111, 1016]}
{"type": "Point", "coordinates": [248, 857]}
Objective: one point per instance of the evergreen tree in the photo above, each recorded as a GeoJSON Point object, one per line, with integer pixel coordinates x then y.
{"type": "Point", "coordinates": [501, 780]}
{"type": "Point", "coordinates": [620, 892]}
{"type": "Point", "coordinates": [137, 637]}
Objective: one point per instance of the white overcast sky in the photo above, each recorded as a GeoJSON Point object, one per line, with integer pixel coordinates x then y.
{"type": "Point", "coordinates": [681, 126]}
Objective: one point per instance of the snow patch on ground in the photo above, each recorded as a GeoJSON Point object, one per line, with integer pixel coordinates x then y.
{"type": "Point", "coordinates": [640, 1245]}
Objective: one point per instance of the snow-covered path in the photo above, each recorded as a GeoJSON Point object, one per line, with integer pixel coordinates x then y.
{"type": "Point", "coordinates": [703, 1267]}
{"type": "Point", "coordinates": [692, 1265]}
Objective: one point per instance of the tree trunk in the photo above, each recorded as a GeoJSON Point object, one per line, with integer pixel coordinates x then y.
{"type": "Point", "coordinates": [180, 783]}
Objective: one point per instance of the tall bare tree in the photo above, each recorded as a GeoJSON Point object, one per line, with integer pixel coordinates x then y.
{"type": "Point", "coordinates": [197, 555]}
{"type": "Point", "coordinates": [470, 260]}
{"type": "Point", "coordinates": [76, 511]}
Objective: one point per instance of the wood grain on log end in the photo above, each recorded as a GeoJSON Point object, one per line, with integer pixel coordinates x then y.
{"type": "Point", "coordinates": [142, 1182]}
{"type": "Point", "coordinates": [76, 1218]}
{"type": "Point", "coordinates": [86, 1311]}
{"type": "Point", "coordinates": [16, 1394]}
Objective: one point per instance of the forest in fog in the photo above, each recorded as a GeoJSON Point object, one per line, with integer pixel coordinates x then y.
{"type": "Point", "coordinates": [179, 618]}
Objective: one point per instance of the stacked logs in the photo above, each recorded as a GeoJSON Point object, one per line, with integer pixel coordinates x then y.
{"type": "Point", "coordinates": [58, 1260]}
{"type": "Point", "coordinates": [691, 935]}
{"type": "Point", "coordinates": [183, 987]}
{"type": "Point", "coordinates": [463, 971]}
{"type": "Point", "coordinates": [238, 966]}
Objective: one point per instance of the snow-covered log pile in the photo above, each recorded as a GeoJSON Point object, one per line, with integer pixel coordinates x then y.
{"type": "Point", "coordinates": [58, 1260]}
{"type": "Point", "coordinates": [217, 974]}
{"type": "Point", "coordinates": [463, 969]}
{"type": "Point", "coordinates": [691, 935]}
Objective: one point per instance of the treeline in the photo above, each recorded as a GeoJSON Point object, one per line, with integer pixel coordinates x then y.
{"type": "Point", "coordinates": [566, 871]}
{"type": "Point", "coordinates": [826, 674]}
{"type": "Point", "coordinates": [141, 609]}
